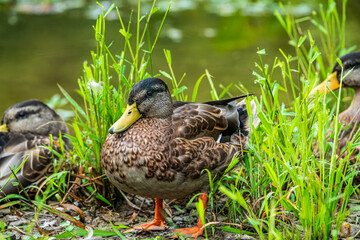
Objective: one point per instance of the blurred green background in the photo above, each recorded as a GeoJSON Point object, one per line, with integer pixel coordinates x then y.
{"type": "Point", "coordinates": [44, 43]}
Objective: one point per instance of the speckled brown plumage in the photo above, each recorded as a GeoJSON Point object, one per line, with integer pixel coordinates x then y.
{"type": "Point", "coordinates": [166, 157]}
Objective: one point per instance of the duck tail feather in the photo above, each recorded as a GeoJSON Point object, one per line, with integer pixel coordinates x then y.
{"type": "Point", "coordinates": [227, 101]}
{"type": "Point", "coordinates": [244, 117]}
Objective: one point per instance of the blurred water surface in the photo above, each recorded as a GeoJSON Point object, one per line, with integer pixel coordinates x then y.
{"type": "Point", "coordinates": [45, 44]}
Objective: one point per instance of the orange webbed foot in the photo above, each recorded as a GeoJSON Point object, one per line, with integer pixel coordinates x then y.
{"type": "Point", "coordinates": [197, 230]}
{"type": "Point", "coordinates": [156, 225]}
{"type": "Point", "coordinates": [194, 231]}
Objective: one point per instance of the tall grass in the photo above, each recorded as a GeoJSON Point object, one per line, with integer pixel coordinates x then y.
{"type": "Point", "coordinates": [107, 81]}
{"type": "Point", "coordinates": [296, 185]}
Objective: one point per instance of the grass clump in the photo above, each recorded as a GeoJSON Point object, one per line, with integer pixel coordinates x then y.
{"type": "Point", "coordinates": [296, 185]}
{"type": "Point", "coordinates": [107, 82]}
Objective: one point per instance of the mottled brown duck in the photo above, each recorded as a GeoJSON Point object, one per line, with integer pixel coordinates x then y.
{"type": "Point", "coordinates": [25, 129]}
{"type": "Point", "coordinates": [159, 148]}
{"type": "Point", "coordinates": [350, 75]}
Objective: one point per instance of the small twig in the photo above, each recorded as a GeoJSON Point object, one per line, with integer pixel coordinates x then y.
{"type": "Point", "coordinates": [75, 184]}
{"type": "Point", "coordinates": [87, 178]}
{"type": "Point", "coordinates": [63, 215]}
{"type": "Point", "coordinates": [41, 231]}
{"type": "Point", "coordinates": [40, 187]}
{"type": "Point", "coordinates": [68, 192]}
{"type": "Point", "coordinates": [137, 213]}
{"type": "Point", "coordinates": [74, 208]}
{"type": "Point", "coordinates": [90, 179]}
{"type": "Point", "coordinates": [75, 197]}
{"type": "Point", "coordinates": [17, 229]}
{"type": "Point", "coordinates": [21, 186]}
{"type": "Point", "coordinates": [28, 204]}
{"type": "Point", "coordinates": [133, 205]}
{"type": "Point", "coordinates": [214, 216]}
{"type": "Point", "coordinates": [92, 194]}
{"type": "Point", "coordinates": [231, 224]}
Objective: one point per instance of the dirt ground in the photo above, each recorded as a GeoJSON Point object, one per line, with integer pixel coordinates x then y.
{"type": "Point", "coordinates": [97, 218]}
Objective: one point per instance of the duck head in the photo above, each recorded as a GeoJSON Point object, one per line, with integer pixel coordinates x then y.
{"type": "Point", "coordinates": [149, 98]}
{"type": "Point", "coordinates": [349, 73]}
{"type": "Point", "coordinates": [33, 117]}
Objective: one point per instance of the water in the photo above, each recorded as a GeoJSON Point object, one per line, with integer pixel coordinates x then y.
{"type": "Point", "coordinates": [40, 51]}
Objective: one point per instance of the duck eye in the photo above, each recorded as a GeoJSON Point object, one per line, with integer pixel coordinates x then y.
{"type": "Point", "coordinates": [149, 93]}
{"type": "Point", "coordinates": [20, 114]}
{"type": "Point", "coordinates": [352, 64]}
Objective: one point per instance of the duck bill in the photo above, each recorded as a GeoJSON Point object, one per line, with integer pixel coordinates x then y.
{"type": "Point", "coordinates": [130, 116]}
{"type": "Point", "coordinates": [332, 82]}
{"type": "Point", "coordinates": [3, 128]}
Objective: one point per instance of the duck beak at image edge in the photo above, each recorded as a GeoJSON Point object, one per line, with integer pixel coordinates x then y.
{"type": "Point", "coordinates": [3, 128]}
{"type": "Point", "coordinates": [130, 116]}
{"type": "Point", "coordinates": [332, 82]}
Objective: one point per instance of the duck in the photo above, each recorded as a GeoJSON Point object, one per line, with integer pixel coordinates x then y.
{"type": "Point", "coordinates": [24, 131]}
{"type": "Point", "coordinates": [349, 72]}
{"type": "Point", "coordinates": [161, 148]}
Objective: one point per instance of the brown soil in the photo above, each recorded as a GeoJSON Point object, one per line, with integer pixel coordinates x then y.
{"type": "Point", "coordinates": [97, 218]}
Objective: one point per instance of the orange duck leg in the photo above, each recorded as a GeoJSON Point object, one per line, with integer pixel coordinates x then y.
{"type": "Point", "coordinates": [199, 229]}
{"type": "Point", "coordinates": [158, 222]}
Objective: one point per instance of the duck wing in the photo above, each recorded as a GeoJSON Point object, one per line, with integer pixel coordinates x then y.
{"type": "Point", "coordinates": [195, 120]}
{"type": "Point", "coordinates": [215, 119]}
{"type": "Point", "coordinates": [25, 155]}
{"type": "Point", "coordinates": [206, 136]}
{"type": "Point", "coordinates": [191, 157]}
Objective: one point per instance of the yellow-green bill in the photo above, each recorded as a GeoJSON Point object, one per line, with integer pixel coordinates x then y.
{"type": "Point", "coordinates": [3, 128]}
{"type": "Point", "coordinates": [333, 85]}
{"type": "Point", "coordinates": [130, 116]}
